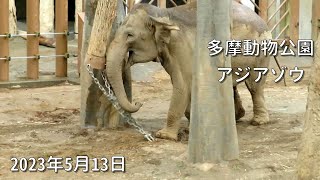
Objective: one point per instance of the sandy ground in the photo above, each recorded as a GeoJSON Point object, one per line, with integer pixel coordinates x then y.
{"type": "Point", "coordinates": [44, 122]}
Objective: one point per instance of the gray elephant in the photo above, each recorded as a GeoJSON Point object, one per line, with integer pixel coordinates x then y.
{"type": "Point", "coordinates": [149, 33]}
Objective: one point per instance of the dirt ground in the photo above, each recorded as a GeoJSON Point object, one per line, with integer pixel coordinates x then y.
{"type": "Point", "coordinates": [44, 122]}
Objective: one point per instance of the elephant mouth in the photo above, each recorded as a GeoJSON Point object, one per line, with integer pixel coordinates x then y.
{"type": "Point", "coordinates": [157, 60]}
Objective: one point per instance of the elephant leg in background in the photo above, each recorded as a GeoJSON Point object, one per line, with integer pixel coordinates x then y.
{"type": "Point", "coordinates": [178, 105]}
{"type": "Point", "coordinates": [188, 110]}
{"type": "Point", "coordinates": [238, 108]}
{"type": "Point", "coordinates": [260, 113]}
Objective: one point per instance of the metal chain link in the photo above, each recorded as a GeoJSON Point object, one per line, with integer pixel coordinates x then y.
{"type": "Point", "coordinates": [107, 91]}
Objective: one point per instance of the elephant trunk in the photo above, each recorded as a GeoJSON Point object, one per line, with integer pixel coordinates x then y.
{"type": "Point", "coordinates": [116, 55]}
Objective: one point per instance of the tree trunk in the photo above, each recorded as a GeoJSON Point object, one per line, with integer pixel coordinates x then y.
{"type": "Point", "coordinates": [95, 109]}
{"type": "Point", "coordinates": [213, 135]}
{"type": "Point", "coordinates": [309, 155]}
{"type": "Point", "coordinates": [12, 17]}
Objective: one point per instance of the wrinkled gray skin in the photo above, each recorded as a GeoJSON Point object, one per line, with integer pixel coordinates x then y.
{"type": "Point", "coordinates": [149, 33]}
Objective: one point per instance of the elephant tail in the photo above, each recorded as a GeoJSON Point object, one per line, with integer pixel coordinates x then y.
{"type": "Point", "coordinates": [278, 64]}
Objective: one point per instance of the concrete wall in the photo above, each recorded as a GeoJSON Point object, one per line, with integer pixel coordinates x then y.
{"type": "Point", "coordinates": [47, 16]}
{"type": "Point", "coordinates": [12, 17]}
{"type": "Point", "coordinates": [305, 24]}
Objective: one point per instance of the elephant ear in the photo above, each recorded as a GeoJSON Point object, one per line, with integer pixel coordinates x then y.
{"type": "Point", "coordinates": [163, 29]}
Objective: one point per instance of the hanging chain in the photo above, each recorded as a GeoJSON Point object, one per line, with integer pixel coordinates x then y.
{"type": "Point", "coordinates": [107, 91]}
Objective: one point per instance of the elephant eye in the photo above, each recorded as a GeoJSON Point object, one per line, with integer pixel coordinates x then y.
{"type": "Point", "coordinates": [130, 34]}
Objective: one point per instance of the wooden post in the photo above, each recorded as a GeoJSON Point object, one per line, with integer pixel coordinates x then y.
{"type": "Point", "coordinates": [80, 36]}
{"type": "Point", "coordinates": [61, 18]}
{"type": "Point", "coordinates": [90, 93]}
{"type": "Point", "coordinates": [263, 5]}
{"type": "Point", "coordinates": [309, 156]}
{"type": "Point", "coordinates": [4, 42]}
{"type": "Point", "coordinates": [294, 20]}
{"type": "Point", "coordinates": [33, 41]}
{"type": "Point", "coordinates": [162, 3]}
{"type": "Point", "coordinates": [213, 134]}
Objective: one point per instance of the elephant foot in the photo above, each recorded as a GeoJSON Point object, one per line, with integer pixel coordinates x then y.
{"type": "Point", "coordinates": [260, 119]}
{"type": "Point", "coordinates": [240, 112]}
{"type": "Point", "coordinates": [167, 133]}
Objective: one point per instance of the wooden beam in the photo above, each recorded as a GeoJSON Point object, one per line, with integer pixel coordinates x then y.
{"type": "Point", "coordinates": [33, 24]}
{"type": "Point", "coordinates": [213, 134]}
{"type": "Point", "coordinates": [80, 38]}
{"type": "Point", "coordinates": [100, 35]}
{"type": "Point", "coordinates": [4, 42]}
{"type": "Point", "coordinates": [61, 18]}
{"type": "Point", "coordinates": [294, 20]}
{"type": "Point", "coordinates": [263, 4]}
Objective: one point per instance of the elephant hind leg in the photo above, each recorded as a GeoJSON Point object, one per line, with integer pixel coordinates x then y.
{"type": "Point", "coordinates": [260, 113]}
{"type": "Point", "coordinates": [238, 108]}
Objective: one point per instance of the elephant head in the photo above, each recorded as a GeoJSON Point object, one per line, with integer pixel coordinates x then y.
{"type": "Point", "coordinates": [140, 36]}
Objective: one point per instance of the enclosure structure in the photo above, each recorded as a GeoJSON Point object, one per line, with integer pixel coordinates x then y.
{"type": "Point", "coordinates": [33, 34]}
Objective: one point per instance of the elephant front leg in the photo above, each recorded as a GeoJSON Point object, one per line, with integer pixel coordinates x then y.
{"type": "Point", "coordinates": [178, 105]}
{"type": "Point", "coordinates": [260, 113]}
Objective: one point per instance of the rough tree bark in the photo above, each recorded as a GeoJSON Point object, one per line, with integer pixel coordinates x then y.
{"type": "Point", "coordinates": [99, 30]}
{"type": "Point", "coordinates": [213, 135]}
{"type": "Point", "coordinates": [309, 154]}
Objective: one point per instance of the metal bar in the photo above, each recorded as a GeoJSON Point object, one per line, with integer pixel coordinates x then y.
{"type": "Point", "coordinates": [59, 33]}
{"type": "Point", "coordinates": [33, 41]}
{"type": "Point", "coordinates": [255, 5]}
{"type": "Point", "coordinates": [173, 3]}
{"type": "Point", "coordinates": [52, 56]}
{"type": "Point", "coordinates": [282, 31]}
{"type": "Point", "coordinates": [282, 17]}
{"type": "Point", "coordinates": [277, 10]}
{"type": "Point", "coordinates": [38, 56]}
{"type": "Point", "coordinates": [37, 34]}
{"type": "Point", "coordinates": [61, 17]}
{"type": "Point", "coordinates": [4, 42]}
{"type": "Point", "coordinates": [125, 3]}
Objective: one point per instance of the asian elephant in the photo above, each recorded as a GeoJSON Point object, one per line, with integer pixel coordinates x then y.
{"type": "Point", "coordinates": [149, 33]}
